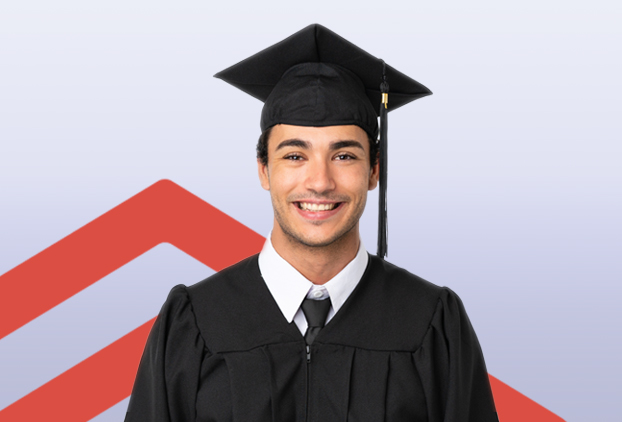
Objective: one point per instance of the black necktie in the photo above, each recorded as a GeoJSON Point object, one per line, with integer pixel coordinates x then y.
{"type": "Point", "coordinates": [315, 311]}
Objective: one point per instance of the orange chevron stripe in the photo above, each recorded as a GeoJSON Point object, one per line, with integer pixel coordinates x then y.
{"type": "Point", "coordinates": [106, 378]}
{"type": "Point", "coordinates": [512, 406]}
{"type": "Point", "coordinates": [89, 388]}
{"type": "Point", "coordinates": [164, 212]}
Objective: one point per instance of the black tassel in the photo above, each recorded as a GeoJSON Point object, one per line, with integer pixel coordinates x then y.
{"type": "Point", "coordinates": [383, 230]}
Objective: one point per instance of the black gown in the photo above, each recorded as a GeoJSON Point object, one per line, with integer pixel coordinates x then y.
{"type": "Point", "coordinates": [400, 349]}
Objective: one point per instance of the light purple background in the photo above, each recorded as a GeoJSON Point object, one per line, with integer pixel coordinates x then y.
{"type": "Point", "coordinates": [504, 185]}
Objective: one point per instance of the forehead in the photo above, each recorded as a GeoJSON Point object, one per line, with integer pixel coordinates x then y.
{"type": "Point", "coordinates": [317, 136]}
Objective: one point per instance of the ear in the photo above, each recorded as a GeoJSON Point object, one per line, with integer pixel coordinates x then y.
{"type": "Point", "coordinates": [374, 172]}
{"type": "Point", "coordinates": [264, 178]}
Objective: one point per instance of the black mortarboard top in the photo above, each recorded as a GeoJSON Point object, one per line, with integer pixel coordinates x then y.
{"type": "Point", "coordinates": [317, 78]}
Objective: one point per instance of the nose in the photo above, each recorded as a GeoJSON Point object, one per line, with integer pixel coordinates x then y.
{"type": "Point", "coordinates": [319, 177]}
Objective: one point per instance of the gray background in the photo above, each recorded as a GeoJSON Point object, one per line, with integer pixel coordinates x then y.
{"type": "Point", "coordinates": [504, 185]}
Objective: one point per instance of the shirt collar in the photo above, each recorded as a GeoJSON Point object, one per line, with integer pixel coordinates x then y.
{"type": "Point", "coordinates": [289, 288]}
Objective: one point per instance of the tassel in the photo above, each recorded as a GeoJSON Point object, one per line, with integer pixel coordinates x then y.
{"type": "Point", "coordinates": [383, 231]}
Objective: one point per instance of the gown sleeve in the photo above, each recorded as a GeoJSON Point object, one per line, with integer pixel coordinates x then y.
{"type": "Point", "coordinates": [167, 381]}
{"type": "Point", "coordinates": [452, 368]}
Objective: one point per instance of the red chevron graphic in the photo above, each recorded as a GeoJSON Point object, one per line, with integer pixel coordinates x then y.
{"type": "Point", "coordinates": [512, 406]}
{"type": "Point", "coordinates": [164, 212]}
{"type": "Point", "coordinates": [89, 388]}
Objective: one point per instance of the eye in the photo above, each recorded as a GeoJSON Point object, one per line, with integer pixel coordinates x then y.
{"type": "Point", "coordinates": [293, 157]}
{"type": "Point", "coordinates": [345, 156]}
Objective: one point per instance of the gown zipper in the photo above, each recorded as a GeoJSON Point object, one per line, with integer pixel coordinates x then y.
{"type": "Point", "coordinates": [308, 350]}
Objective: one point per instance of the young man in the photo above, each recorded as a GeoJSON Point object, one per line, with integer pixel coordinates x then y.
{"type": "Point", "coordinates": [314, 328]}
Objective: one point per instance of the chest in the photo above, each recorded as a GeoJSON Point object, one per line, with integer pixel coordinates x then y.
{"type": "Point", "coordinates": [330, 382]}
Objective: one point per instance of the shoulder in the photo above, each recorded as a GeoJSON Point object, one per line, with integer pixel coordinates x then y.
{"type": "Point", "coordinates": [417, 303]}
{"type": "Point", "coordinates": [176, 302]}
{"type": "Point", "coordinates": [400, 280]}
{"type": "Point", "coordinates": [409, 289]}
{"type": "Point", "coordinates": [406, 292]}
{"type": "Point", "coordinates": [234, 309]}
{"type": "Point", "coordinates": [227, 283]}
{"type": "Point", "coordinates": [397, 308]}
{"type": "Point", "coordinates": [176, 321]}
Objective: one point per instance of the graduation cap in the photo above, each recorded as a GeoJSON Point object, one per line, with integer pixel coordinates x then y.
{"type": "Point", "coordinates": [317, 78]}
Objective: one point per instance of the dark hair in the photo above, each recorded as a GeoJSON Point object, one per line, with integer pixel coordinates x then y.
{"type": "Point", "coordinates": [262, 147]}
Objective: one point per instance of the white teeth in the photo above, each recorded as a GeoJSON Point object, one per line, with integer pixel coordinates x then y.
{"type": "Point", "coordinates": [307, 206]}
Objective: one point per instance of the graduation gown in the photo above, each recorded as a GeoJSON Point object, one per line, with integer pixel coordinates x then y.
{"type": "Point", "coordinates": [400, 349]}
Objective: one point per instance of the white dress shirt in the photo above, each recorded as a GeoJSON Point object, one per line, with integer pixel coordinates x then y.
{"type": "Point", "coordinates": [289, 288]}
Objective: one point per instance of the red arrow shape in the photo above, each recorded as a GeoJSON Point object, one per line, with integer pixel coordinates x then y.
{"type": "Point", "coordinates": [89, 388]}
{"type": "Point", "coordinates": [512, 406]}
{"type": "Point", "coordinates": [164, 212]}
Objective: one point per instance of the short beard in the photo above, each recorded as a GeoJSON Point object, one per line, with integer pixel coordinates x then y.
{"type": "Point", "coordinates": [333, 241]}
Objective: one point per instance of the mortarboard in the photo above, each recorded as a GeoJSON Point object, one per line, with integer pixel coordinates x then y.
{"type": "Point", "coordinates": [317, 78]}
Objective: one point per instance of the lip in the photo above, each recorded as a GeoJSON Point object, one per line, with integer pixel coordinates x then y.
{"type": "Point", "coordinates": [318, 215]}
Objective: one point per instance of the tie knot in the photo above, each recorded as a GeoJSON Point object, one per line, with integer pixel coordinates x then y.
{"type": "Point", "coordinates": [316, 311]}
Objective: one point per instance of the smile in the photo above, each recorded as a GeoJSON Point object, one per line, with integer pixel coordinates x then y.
{"type": "Point", "coordinates": [314, 207]}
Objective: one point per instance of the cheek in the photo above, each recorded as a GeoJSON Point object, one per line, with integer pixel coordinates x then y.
{"type": "Point", "coordinates": [358, 181]}
{"type": "Point", "coordinates": [281, 183]}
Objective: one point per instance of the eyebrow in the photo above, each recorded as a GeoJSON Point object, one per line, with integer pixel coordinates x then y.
{"type": "Point", "coordinates": [294, 143]}
{"type": "Point", "coordinates": [299, 143]}
{"type": "Point", "coordinates": [346, 144]}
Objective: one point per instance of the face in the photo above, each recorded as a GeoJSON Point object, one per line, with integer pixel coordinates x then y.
{"type": "Point", "coordinates": [318, 178]}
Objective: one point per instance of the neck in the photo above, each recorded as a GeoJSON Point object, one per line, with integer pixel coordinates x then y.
{"type": "Point", "coordinates": [318, 264]}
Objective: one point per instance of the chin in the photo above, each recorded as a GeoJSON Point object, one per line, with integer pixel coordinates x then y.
{"type": "Point", "coordinates": [314, 243]}
{"type": "Point", "coordinates": [319, 239]}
